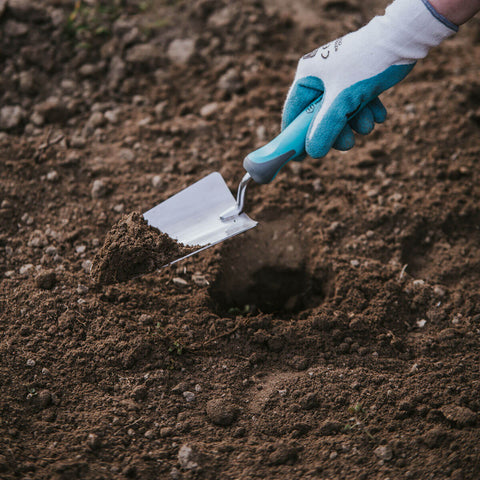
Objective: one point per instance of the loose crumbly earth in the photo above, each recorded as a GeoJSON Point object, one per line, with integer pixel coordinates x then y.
{"type": "Point", "coordinates": [132, 248]}
{"type": "Point", "coordinates": [337, 340]}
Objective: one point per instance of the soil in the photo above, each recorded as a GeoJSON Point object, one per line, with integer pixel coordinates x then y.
{"type": "Point", "coordinates": [132, 248]}
{"type": "Point", "coordinates": [338, 339]}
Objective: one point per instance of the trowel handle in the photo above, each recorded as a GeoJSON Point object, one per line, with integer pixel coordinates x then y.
{"type": "Point", "coordinates": [264, 164]}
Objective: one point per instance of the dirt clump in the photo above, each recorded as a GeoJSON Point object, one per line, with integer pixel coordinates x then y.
{"type": "Point", "coordinates": [132, 248]}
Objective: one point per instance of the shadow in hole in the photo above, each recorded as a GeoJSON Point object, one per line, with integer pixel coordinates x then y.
{"type": "Point", "coordinates": [268, 268]}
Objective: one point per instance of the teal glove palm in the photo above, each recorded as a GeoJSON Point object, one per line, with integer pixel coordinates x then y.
{"type": "Point", "coordinates": [349, 73]}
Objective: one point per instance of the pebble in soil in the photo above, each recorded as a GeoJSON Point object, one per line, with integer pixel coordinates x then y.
{"type": "Point", "coordinates": [132, 248]}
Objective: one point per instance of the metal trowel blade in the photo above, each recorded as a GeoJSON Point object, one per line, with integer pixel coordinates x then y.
{"type": "Point", "coordinates": [192, 216]}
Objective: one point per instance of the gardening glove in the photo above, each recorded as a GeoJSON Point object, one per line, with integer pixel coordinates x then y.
{"type": "Point", "coordinates": [350, 72]}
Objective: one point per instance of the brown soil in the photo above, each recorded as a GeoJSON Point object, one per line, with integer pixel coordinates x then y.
{"type": "Point", "coordinates": [132, 248]}
{"type": "Point", "coordinates": [337, 340]}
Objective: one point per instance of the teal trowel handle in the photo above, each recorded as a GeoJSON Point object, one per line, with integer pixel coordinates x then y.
{"type": "Point", "coordinates": [264, 164]}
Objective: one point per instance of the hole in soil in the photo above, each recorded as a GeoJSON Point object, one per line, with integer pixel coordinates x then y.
{"type": "Point", "coordinates": [269, 269]}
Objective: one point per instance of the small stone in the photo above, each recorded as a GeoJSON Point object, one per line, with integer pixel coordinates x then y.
{"type": "Point", "coordinates": [111, 116]}
{"type": "Point", "coordinates": [100, 188]}
{"type": "Point", "coordinates": [333, 227]}
{"type": "Point", "coordinates": [373, 192]}
{"type": "Point", "coordinates": [181, 51]}
{"type": "Point", "coordinates": [189, 457]}
{"type": "Point", "coordinates": [46, 280]}
{"type": "Point", "coordinates": [421, 323]}
{"type": "Point", "coordinates": [149, 434]}
{"type": "Point", "coordinates": [27, 81]}
{"type": "Point", "coordinates": [11, 117]}
{"type": "Point", "coordinates": [27, 219]}
{"type": "Point", "coordinates": [143, 122]}
{"type": "Point", "coordinates": [459, 416]}
{"type": "Point", "coordinates": [209, 109]}
{"type": "Point", "coordinates": [80, 248]}
{"type": "Point", "coordinates": [221, 18]}
{"type": "Point", "coordinates": [166, 432]}
{"type": "Point", "coordinates": [52, 176]}
{"type": "Point", "coordinates": [96, 120]}
{"type": "Point", "coordinates": [383, 452]}
{"type": "Point", "coordinates": [413, 369]}
{"type": "Point", "coordinates": [439, 291]}
{"type": "Point", "coordinates": [221, 412]}
{"type": "Point", "coordinates": [180, 282]}
{"type": "Point", "coordinates": [127, 154]}
{"type": "Point", "coordinates": [87, 266]}
{"type": "Point", "coordinates": [119, 208]}
{"type": "Point", "coordinates": [93, 441]}
{"type": "Point", "coordinates": [37, 239]}
{"type": "Point", "coordinates": [396, 197]}
{"type": "Point", "coordinates": [27, 10]}
{"type": "Point", "coordinates": [78, 141]}
{"type": "Point", "coordinates": [44, 398]}
{"type": "Point", "coordinates": [146, 54]}
{"type": "Point", "coordinates": [261, 133]}
{"type": "Point", "coordinates": [88, 70]}
{"type": "Point", "coordinates": [200, 280]}
{"type": "Point", "coordinates": [180, 388]}
{"type": "Point", "coordinates": [68, 85]}
{"type": "Point", "coordinates": [157, 181]}
{"type": "Point", "coordinates": [82, 289]}
{"type": "Point", "coordinates": [24, 269]}
{"type": "Point", "coordinates": [230, 81]}
{"type": "Point", "coordinates": [160, 109]}
{"type": "Point", "coordinates": [15, 29]}
{"type": "Point", "coordinates": [116, 72]}
{"type": "Point", "coordinates": [318, 186]}
{"type": "Point", "coordinates": [188, 396]}
{"type": "Point", "coordinates": [31, 362]}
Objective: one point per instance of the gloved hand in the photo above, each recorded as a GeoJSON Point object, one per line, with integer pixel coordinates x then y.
{"type": "Point", "coordinates": [352, 71]}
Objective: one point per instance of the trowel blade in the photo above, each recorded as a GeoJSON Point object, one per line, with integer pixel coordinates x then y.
{"type": "Point", "coordinates": [192, 216]}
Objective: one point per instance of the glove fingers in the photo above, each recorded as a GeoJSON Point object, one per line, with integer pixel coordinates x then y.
{"type": "Point", "coordinates": [346, 139]}
{"type": "Point", "coordinates": [378, 110]}
{"type": "Point", "coordinates": [363, 122]}
{"type": "Point", "coordinates": [302, 93]}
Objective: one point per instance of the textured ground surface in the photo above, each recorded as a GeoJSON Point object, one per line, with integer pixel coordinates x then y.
{"type": "Point", "coordinates": [339, 339]}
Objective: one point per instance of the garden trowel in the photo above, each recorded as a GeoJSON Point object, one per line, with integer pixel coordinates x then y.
{"type": "Point", "coordinates": [207, 213]}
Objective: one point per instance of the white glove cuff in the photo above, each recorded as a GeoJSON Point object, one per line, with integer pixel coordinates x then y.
{"type": "Point", "coordinates": [410, 28]}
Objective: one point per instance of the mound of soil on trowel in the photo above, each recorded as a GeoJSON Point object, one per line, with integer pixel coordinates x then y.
{"type": "Point", "coordinates": [131, 248]}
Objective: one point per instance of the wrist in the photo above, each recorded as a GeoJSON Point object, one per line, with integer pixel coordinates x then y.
{"type": "Point", "coordinates": [455, 11]}
{"type": "Point", "coordinates": [409, 28]}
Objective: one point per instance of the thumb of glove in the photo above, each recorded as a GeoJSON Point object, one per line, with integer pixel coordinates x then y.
{"type": "Point", "coordinates": [329, 122]}
{"type": "Point", "coordinates": [301, 94]}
